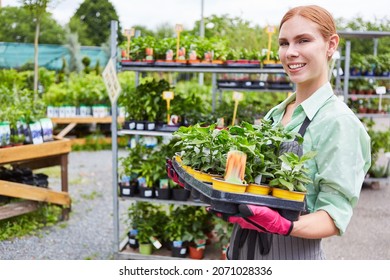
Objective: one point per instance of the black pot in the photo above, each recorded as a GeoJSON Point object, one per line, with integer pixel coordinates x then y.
{"type": "Point", "coordinates": [150, 125]}
{"type": "Point", "coordinates": [163, 193]}
{"type": "Point", "coordinates": [178, 250]}
{"type": "Point", "coordinates": [180, 194]}
{"type": "Point", "coordinates": [133, 242]}
{"type": "Point", "coordinates": [140, 125]}
{"type": "Point", "coordinates": [146, 192]}
{"type": "Point", "coordinates": [130, 124]}
{"type": "Point", "coordinates": [127, 189]}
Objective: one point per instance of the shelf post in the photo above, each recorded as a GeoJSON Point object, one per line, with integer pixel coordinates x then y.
{"type": "Point", "coordinates": [346, 69]}
{"type": "Point", "coordinates": [114, 144]}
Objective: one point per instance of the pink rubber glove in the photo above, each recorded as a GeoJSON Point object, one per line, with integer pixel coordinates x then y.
{"type": "Point", "coordinates": [262, 219]}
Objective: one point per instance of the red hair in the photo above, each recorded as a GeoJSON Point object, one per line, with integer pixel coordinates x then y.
{"type": "Point", "coordinates": [316, 14]}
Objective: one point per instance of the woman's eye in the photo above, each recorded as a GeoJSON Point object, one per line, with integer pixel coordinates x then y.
{"type": "Point", "coordinates": [281, 44]}
{"type": "Point", "coordinates": [303, 41]}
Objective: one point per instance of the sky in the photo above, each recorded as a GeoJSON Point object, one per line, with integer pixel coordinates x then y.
{"type": "Point", "coordinates": [152, 13]}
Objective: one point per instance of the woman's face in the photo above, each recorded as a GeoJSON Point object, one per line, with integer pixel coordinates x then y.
{"type": "Point", "coordinates": [304, 52]}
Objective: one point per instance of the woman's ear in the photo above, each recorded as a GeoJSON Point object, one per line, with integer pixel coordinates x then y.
{"type": "Point", "coordinates": [333, 44]}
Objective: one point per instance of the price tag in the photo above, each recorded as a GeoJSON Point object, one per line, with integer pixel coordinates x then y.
{"type": "Point", "coordinates": [111, 81]}
{"type": "Point", "coordinates": [380, 90]}
{"type": "Point", "coordinates": [270, 29]}
{"type": "Point", "coordinates": [129, 32]}
{"type": "Point", "coordinates": [237, 96]}
{"type": "Point", "coordinates": [168, 95]}
{"type": "Point", "coordinates": [179, 27]}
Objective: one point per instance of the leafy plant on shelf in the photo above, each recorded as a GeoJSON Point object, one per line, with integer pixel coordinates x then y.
{"type": "Point", "coordinates": [176, 229]}
{"type": "Point", "coordinates": [146, 103]}
{"type": "Point", "coordinates": [292, 175]}
{"type": "Point", "coordinates": [147, 219]}
{"type": "Point", "coordinates": [199, 223]}
{"type": "Point", "coordinates": [222, 230]}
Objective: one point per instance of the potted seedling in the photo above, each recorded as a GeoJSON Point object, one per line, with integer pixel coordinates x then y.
{"type": "Point", "coordinates": [290, 180]}
{"type": "Point", "coordinates": [203, 150]}
{"type": "Point", "coordinates": [234, 174]}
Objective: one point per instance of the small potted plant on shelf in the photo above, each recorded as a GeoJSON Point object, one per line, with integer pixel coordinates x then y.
{"type": "Point", "coordinates": [176, 230]}
{"type": "Point", "coordinates": [198, 225]}
{"type": "Point", "coordinates": [146, 218]}
{"type": "Point", "coordinates": [222, 231]}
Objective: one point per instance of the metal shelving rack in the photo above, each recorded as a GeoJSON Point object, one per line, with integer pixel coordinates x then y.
{"type": "Point", "coordinates": [375, 35]}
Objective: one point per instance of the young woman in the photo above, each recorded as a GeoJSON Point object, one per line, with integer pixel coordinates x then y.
{"type": "Point", "coordinates": [307, 41]}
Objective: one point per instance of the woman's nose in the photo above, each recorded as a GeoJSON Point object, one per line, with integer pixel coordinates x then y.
{"type": "Point", "coordinates": [291, 51]}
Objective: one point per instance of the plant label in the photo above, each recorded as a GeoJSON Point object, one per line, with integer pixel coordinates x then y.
{"type": "Point", "coordinates": [111, 81]}
{"type": "Point", "coordinates": [380, 90]}
{"type": "Point", "coordinates": [168, 95]}
{"type": "Point", "coordinates": [237, 96]}
{"type": "Point", "coordinates": [178, 28]}
{"type": "Point", "coordinates": [155, 242]}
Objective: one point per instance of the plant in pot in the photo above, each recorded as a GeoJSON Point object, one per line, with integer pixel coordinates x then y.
{"type": "Point", "coordinates": [290, 180]}
{"type": "Point", "coordinates": [250, 139]}
{"type": "Point", "coordinates": [130, 167]}
{"type": "Point", "coordinates": [203, 150]}
{"type": "Point", "coordinates": [222, 231]}
{"type": "Point", "coordinates": [175, 230]}
{"type": "Point", "coordinates": [147, 219]}
{"type": "Point", "coordinates": [199, 225]}
{"type": "Point", "coordinates": [152, 103]}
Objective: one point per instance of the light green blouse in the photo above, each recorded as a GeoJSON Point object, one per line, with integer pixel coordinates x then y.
{"type": "Point", "coordinates": [343, 152]}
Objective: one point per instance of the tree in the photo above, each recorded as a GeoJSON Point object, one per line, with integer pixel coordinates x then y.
{"type": "Point", "coordinates": [37, 9]}
{"type": "Point", "coordinates": [15, 26]}
{"type": "Point", "coordinates": [92, 22]}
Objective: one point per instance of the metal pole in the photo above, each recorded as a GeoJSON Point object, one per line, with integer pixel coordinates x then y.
{"type": "Point", "coordinates": [114, 143]}
{"type": "Point", "coordinates": [346, 69]}
{"type": "Point", "coordinates": [376, 40]}
{"type": "Point", "coordinates": [201, 75]}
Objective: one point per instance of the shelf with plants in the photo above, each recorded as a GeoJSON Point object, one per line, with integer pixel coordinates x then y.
{"type": "Point", "coordinates": [173, 232]}
{"type": "Point", "coordinates": [362, 74]}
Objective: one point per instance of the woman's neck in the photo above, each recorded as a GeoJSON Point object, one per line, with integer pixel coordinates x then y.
{"type": "Point", "coordinates": [304, 91]}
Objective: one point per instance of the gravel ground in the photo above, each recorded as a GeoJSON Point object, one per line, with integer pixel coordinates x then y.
{"type": "Point", "coordinates": [88, 234]}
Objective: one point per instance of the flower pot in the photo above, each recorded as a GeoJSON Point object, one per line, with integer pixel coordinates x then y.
{"type": "Point", "coordinates": [221, 185]}
{"type": "Point", "coordinates": [289, 195]}
{"type": "Point", "coordinates": [139, 125]}
{"type": "Point", "coordinates": [178, 249]}
{"type": "Point", "coordinates": [223, 252]}
{"type": "Point", "coordinates": [163, 193]}
{"type": "Point", "coordinates": [127, 189]}
{"type": "Point", "coordinates": [196, 253]}
{"type": "Point", "coordinates": [133, 242]}
{"type": "Point", "coordinates": [131, 124]}
{"type": "Point", "coordinates": [146, 192]}
{"type": "Point", "coordinates": [180, 194]}
{"type": "Point", "coordinates": [145, 249]}
{"type": "Point", "coordinates": [204, 177]}
{"type": "Point", "coordinates": [258, 189]}
{"type": "Point", "coordinates": [150, 125]}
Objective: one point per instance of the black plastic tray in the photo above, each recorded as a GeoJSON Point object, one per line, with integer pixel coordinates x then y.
{"type": "Point", "coordinates": [227, 202]}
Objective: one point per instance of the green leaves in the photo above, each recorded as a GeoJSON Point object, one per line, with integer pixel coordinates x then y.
{"type": "Point", "coordinates": [292, 175]}
{"type": "Point", "coordinates": [206, 148]}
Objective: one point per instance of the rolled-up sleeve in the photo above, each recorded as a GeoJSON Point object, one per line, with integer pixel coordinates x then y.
{"type": "Point", "coordinates": [343, 160]}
